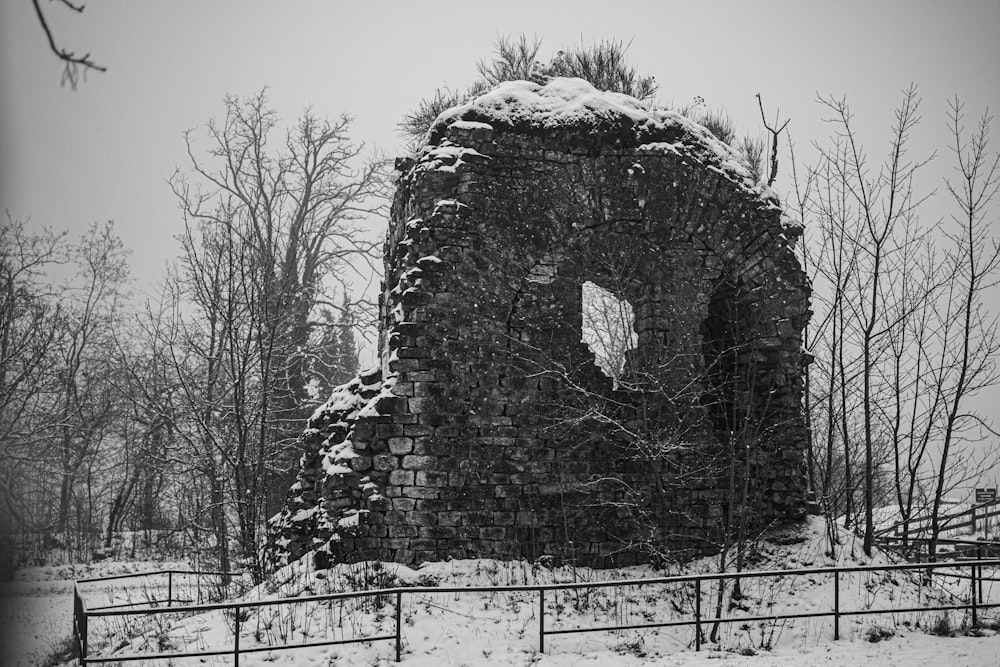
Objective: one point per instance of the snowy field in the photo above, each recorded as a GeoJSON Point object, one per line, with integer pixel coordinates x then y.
{"type": "Point", "coordinates": [502, 628]}
{"type": "Point", "coordinates": [36, 609]}
{"type": "Point", "coordinates": [32, 617]}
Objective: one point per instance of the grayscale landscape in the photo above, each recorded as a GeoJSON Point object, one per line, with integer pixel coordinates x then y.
{"type": "Point", "coordinates": [653, 333]}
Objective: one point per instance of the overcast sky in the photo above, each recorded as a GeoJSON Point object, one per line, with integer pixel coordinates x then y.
{"type": "Point", "coordinates": [107, 150]}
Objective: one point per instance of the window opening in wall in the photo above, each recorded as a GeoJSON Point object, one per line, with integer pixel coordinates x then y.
{"type": "Point", "coordinates": [608, 328]}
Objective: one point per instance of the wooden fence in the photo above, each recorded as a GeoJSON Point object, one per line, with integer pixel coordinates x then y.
{"type": "Point", "coordinates": [970, 518]}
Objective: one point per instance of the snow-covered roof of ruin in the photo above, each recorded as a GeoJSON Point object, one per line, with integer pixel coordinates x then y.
{"type": "Point", "coordinates": [565, 103]}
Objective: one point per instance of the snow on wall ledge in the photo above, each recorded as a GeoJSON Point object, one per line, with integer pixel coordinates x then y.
{"type": "Point", "coordinates": [489, 430]}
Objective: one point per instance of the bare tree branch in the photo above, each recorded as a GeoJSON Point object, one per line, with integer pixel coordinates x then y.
{"type": "Point", "coordinates": [775, 133]}
{"type": "Point", "coordinates": [72, 63]}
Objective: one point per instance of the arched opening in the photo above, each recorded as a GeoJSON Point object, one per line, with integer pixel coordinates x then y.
{"type": "Point", "coordinates": [608, 328]}
{"type": "Point", "coordinates": [720, 334]}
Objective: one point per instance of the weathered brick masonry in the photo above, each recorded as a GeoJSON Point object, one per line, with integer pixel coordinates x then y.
{"type": "Point", "coordinates": [488, 430]}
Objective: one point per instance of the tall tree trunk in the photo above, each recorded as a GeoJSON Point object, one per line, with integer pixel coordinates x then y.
{"type": "Point", "coordinates": [217, 514]}
{"type": "Point", "coordinates": [848, 470]}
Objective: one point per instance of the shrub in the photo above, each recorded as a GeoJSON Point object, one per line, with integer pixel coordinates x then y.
{"type": "Point", "coordinates": [62, 651]}
{"type": "Point", "coordinates": [877, 633]}
{"type": "Point", "coordinates": [941, 625]}
{"type": "Point", "coordinates": [602, 64]}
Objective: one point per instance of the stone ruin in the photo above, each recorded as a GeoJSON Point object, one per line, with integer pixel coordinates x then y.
{"type": "Point", "coordinates": [488, 430]}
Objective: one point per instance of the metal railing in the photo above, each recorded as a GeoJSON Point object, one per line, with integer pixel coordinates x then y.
{"type": "Point", "coordinates": [82, 612]}
{"type": "Point", "coordinates": [226, 576]}
{"type": "Point", "coordinates": [975, 604]}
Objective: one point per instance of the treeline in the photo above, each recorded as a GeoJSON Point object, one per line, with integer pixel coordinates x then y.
{"type": "Point", "coordinates": [903, 334]}
{"type": "Point", "coordinates": [178, 418]}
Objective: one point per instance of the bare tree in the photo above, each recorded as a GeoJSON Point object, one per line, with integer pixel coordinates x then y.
{"type": "Point", "coordinates": [59, 406]}
{"type": "Point", "coordinates": [28, 313]}
{"type": "Point", "coordinates": [828, 256]}
{"type": "Point", "coordinates": [85, 401]}
{"type": "Point", "coordinates": [968, 331]}
{"type": "Point", "coordinates": [915, 406]}
{"type": "Point", "coordinates": [270, 235]}
{"type": "Point", "coordinates": [885, 205]}
{"type": "Point", "coordinates": [774, 131]}
{"type": "Point", "coordinates": [191, 350]}
{"type": "Point", "coordinates": [26, 327]}
{"type": "Point", "coordinates": [890, 339]}
{"type": "Point", "coordinates": [147, 460]}
{"type": "Point", "coordinates": [689, 411]}
{"type": "Point", "coordinates": [333, 351]}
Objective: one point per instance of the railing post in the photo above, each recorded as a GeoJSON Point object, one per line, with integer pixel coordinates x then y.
{"type": "Point", "coordinates": [541, 620]}
{"type": "Point", "coordinates": [76, 615]}
{"type": "Point", "coordinates": [83, 634]}
{"type": "Point", "coordinates": [170, 587]}
{"type": "Point", "coordinates": [975, 610]}
{"type": "Point", "coordinates": [697, 614]}
{"type": "Point", "coordinates": [399, 631]}
{"type": "Point", "coordinates": [236, 636]}
{"type": "Point", "coordinates": [836, 604]}
{"type": "Point", "coordinates": [979, 556]}
{"type": "Point", "coordinates": [80, 624]}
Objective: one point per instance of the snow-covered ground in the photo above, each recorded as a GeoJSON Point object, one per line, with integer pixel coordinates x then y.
{"type": "Point", "coordinates": [32, 619]}
{"type": "Point", "coordinates": [442, 628]}
{"type": "Point", "coordinates": [36, 609]}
